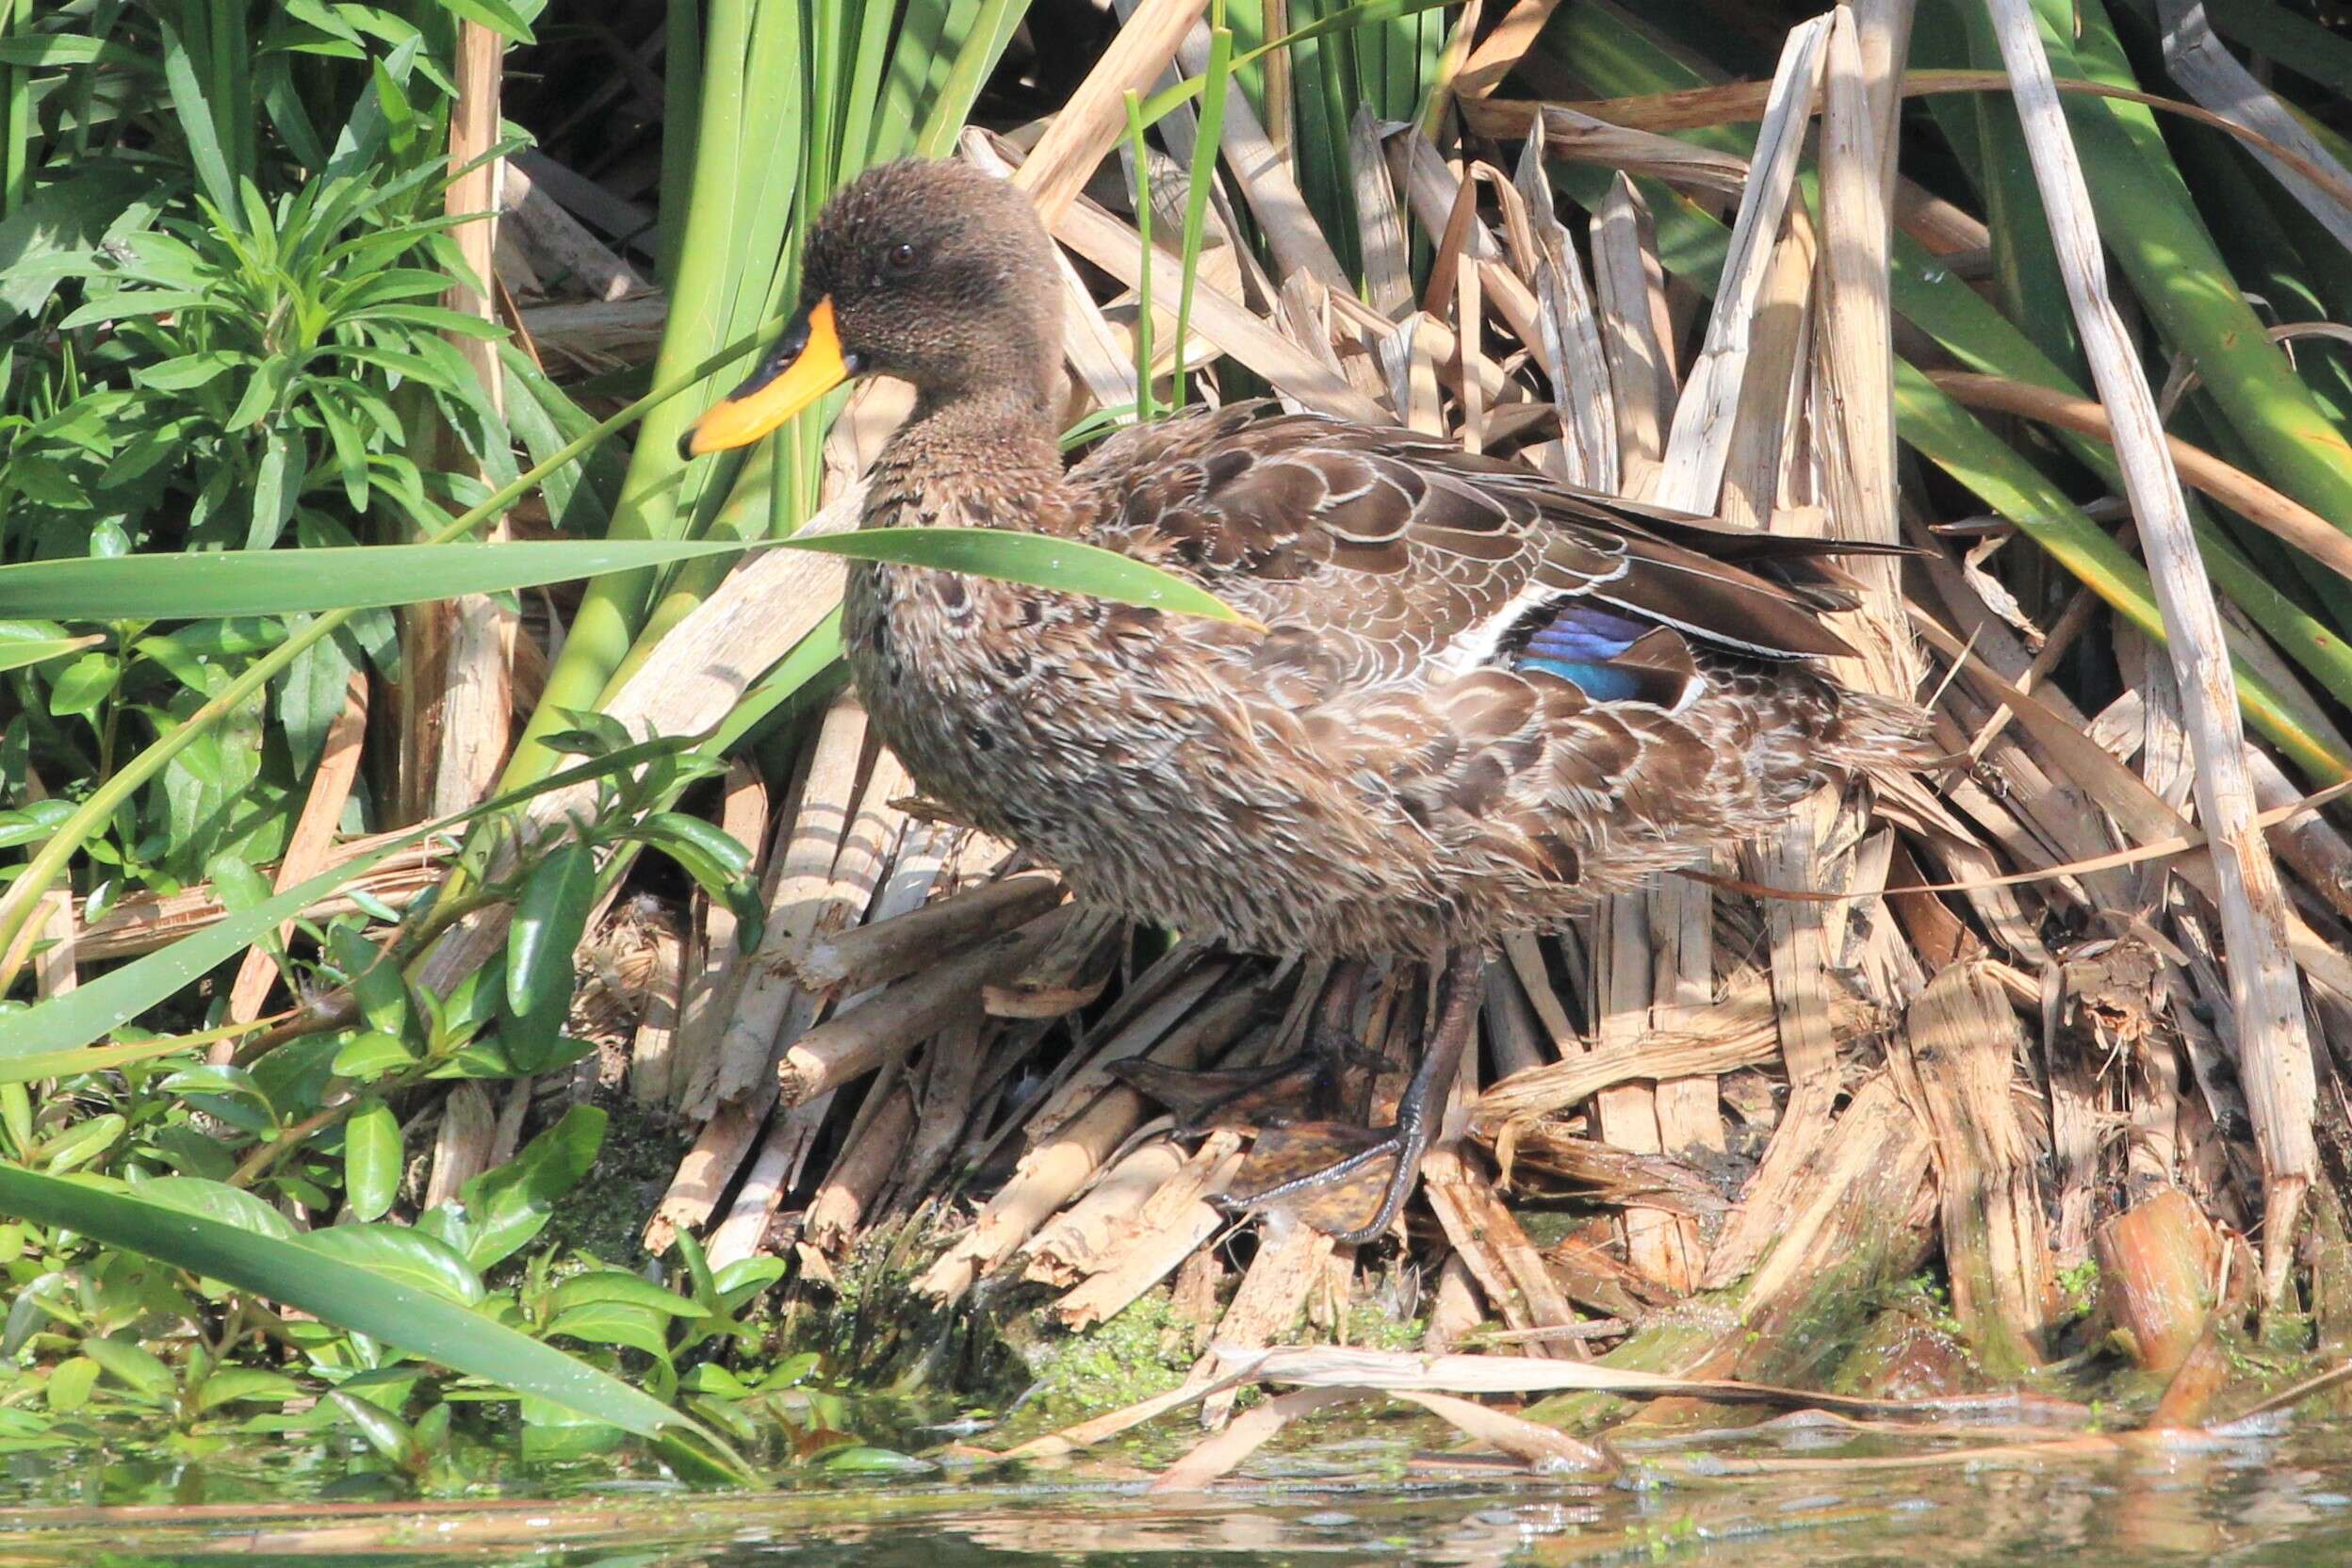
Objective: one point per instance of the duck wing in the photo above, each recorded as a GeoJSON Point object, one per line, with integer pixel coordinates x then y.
{"type": "Point", "coordinates": [1381, 558]}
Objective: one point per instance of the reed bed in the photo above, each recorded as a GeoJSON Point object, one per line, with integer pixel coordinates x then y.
{"type": "Point", "coordinates": [2025, 1074]}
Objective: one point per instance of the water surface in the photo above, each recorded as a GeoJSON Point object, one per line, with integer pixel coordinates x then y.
{"type": "Point", "coordinates": [1394, 1490]}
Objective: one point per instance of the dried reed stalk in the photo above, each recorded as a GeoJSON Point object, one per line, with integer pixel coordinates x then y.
{"type": "Point", "coordinates": [1864, 1195]}
{"type": "Point", "coordinates": [1545, 1449]}
{"type": "Point", "coordinates": [857, 1041]}
{"type": "Point", "coordinates": [1169, 1230]}
{"type": "Point", "coordinates": [461, 1149]}
{"type": "Point", "coordinates": [1623, 957]}
{"type": "Point", "coordinates": [2212, 76]}
{"type": "Point", "coordinates": [1074, 1246]}
{"type": "Point", "coordinates": [880, 952]}
{"type": "Point", "coordinates": [561, 245]}
{"type": "Point", "coordinates": [1113, 246]}
{"type": "Point", "coordinates": [703, 1175]}
{"type": "Point", "coordinates": [2274, 1052]}
{"type": "Point", "coordinates": [1222, 1453]}
{"type": "Point", "coordinates": [744, 1231]}
{"type": "Point", "coordinates": [1272, 1293]}
{"type": "Point", "coordinates": [2157, 1262]}
{"type": "Point", "coordinates": [474, 704]}
{"type": "Point", "coordinates": [1805, 995]}
{"type": "Point", "coordinates": [847, 1195]}
{"type": "Point", "coordinates": [951, 1084]}
{"type": "Point", "coordinates": [57, 967]}
{"type": "Point", "coordinates": [652, 1055]}
{"type": "Point", "coordinates": [1090, 122]}
{"type": "Point", "coordinates": [146, 922]}
{"type": "Point", "coordinates": [1741, 1031]}
{"type": "Point", "coordinates": [1064, 1153]}
{"type": "Point", "coordinates": [800, 892]}
{"type": "Point", "coordinates": [1491, 1243]}
{"type": "Point", "coordinates": [1960, 1039]}
{"type": "Point", "coordinates": [306, 849]}
{"type": "Point", "coordinates": [1455, 1313]}
{"type": "Point", "coordinates": [706, 988]}
{"type": "Point", "coordinates": [1699, 444]}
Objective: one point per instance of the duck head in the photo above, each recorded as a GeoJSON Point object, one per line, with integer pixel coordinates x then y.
{"type": "Point", "coordinates": [931, 272]}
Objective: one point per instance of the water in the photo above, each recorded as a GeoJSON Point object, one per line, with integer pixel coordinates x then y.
{"type": "Point", "coordinates": [1383, 1491]}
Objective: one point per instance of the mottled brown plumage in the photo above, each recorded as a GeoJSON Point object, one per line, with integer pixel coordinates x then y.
{"type": "Point", "coordinates": [1381, 769]}
{"type": "Point", "coordinates": [1472, 699]}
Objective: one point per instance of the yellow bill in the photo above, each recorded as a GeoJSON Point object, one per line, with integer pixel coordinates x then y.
{"type": "Point", "coordinates": [807, 363]}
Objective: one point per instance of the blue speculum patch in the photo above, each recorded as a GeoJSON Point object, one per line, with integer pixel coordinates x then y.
{"type": "Point", "coordinates": [1576, 644]}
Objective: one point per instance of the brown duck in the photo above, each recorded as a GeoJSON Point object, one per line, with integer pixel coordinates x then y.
{"type": "Point", "coordinates": [1472, 699]}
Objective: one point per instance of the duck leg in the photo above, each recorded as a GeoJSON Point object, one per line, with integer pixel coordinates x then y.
{"type": "Point", "coordinates": [1274, 1092]}
{"type": "Point", "coordinates": [1419, 1113]}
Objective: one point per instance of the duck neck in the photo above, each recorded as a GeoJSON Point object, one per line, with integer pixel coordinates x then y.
{"type": "Point", "coordinates": [984, 459]}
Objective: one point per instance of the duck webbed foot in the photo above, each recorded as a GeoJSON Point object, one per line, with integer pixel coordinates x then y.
{"type": "Point", "coordinates": [1350, 1182]}
{"type": "Point", "coordinates": [1271, 1094]}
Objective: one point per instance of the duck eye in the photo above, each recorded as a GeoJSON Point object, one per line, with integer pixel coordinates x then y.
{"type": "Point", "coordinates": [902, 257]}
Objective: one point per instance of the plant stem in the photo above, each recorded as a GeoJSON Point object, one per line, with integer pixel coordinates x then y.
{"type": "Point", "coordinates": [256, 1164]}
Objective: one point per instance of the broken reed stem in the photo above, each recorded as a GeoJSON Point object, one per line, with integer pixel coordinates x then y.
{"type": "Point", "coordinates": [1170, 1227]}
{"type": "Point", "coordinates": [798, 893]}
{"type": "Point", "coordinates": [1488, 1240]}
{"type": "Point", "coordinates": [858, 1040]}
{"type": "Point", "coordinates": [1955, 1057]}
{"type": "Point", "coordinates": [1699, 444]}
{"type": "Point", "coordinates": [2273, 1052]}
{"type": "Point", "coordinates": [951, 1079]}
{"type": "Point", "coordinates": [1742, 1031]}
{"type": "Point", "coordinates": [1065, 1154]}
{"type": "Point", "coordinates": [847, 1195]}
{"type": "Point", "coordinates": [883, 951]}
{"type": "Point", "coordinates": [1272, 1293]}
{"type": "Point", "coordinates": [1074, 1245]}
{"type": "Point", "coordinates": [652, 1055]}
{"type": "Point", "coordinates": [2157, 1262]}
{"type": "Point", "coordinates": [707, 983]}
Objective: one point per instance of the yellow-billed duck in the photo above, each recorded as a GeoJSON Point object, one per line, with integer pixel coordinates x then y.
{"type": "Point", "coordinates": [1471, 698]}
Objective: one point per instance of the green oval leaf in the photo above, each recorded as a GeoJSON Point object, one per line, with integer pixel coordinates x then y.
{"type": "Point", "coordinates": [549, 920]}
{"type": "Point", "coordinates": [667, 829]}
{"type": "Point", "coordinates": [611, 1284]}
{"type": "Point", "coordinates": [393, 1253]}
{"type": "Point", "coordinates": [371, 1055]}
{"type": "Point", "coordinates": [240, 1384]}
{"type": "Point", "coordinates": [20, 653]}
{"type": "Point", "coordinates": [376, 984]}
{"type": "Point", "coordinates": [84, 684]}
{"type": "Point", "coordinates": [508, 1205]}
{"type": "Point", "coordinates": [371, 1160]}
{"type": "Point", "coordinates": [82, 1143]}
{"type": "Point", "coordinates": [134, 1367]}
{"type": "Point", "coordinates": [384, 1431]}
{"type": "Point", "coordinates": [215, 1201]}
{"type": "Point", "coordinates": [70, 1384]}
{"type": "Point", "coordinates": [613, 1323]}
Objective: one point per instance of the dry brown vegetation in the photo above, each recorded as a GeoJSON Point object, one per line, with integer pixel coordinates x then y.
{"type": "Point", "coordinates": [2073, 1008]}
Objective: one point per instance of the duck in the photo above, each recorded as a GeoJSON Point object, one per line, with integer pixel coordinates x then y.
{"type": "Point", "coordinates": [1458, 700]}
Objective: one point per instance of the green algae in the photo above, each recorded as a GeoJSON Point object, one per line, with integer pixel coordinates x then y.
{"type": "Point", "coordinates": [1144, 1350]}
